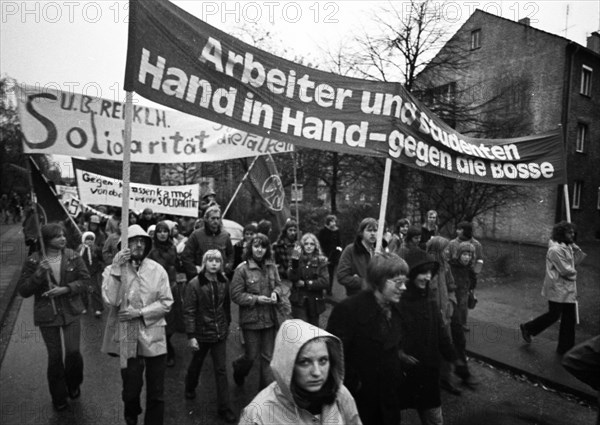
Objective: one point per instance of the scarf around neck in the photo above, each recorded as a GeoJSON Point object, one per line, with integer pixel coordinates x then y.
{"type": "Point", "coordinates": [314, 401]}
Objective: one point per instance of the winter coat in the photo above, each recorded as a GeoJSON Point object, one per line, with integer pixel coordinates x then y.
{"type": "Point", "coordinates": [313, 271]}
{"type": "Point", "coordinates": [249, 281]}
{"type": "Point", "coordinates": [427, 234]}
{"type": "Point", "coordinates": [425, 338]}
{"type": "Point", "coordinates": [207, 315]}
{"type": "Point", "coordinates": [91, 256]}
{"type": "Point", "coordinates": [560, 281]}
{"type": "Point", "coordinates": [73, 273]}
{"type": "Point", "coordinates": [199, 242]}
{"type": "Point", "coordinates": [110, 248]}
{"type": "Point", "coordinates": [152, 282]}
{"type": "Point", "coordinates": [238, 253]}
{"type": "Point", "coordinates": [372, 366]}
{"type": "Point", "coordinates": [330, 242]}
{"type": "Point", "coordinates": [282, 253]}
{"type": "Point", "coordinates": [166, 256]}
{"type": "Point", "coordinates": [276, 404]}
{"type": "Point", "coordinates": [352, 268]}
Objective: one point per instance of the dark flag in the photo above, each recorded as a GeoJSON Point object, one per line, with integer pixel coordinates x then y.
{"type": "Point", "coordinates": [267, 183]}
{"type": "Point", "coordinates": [49, 208]}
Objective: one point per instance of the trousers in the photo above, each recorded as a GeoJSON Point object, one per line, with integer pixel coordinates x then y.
{"type": "Point", "coordinates": [63, 374]}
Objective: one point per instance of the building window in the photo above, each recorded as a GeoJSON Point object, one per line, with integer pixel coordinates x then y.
{"type": "Point", "coordinates": [586, 81]}
{"type": "Point", "coordinates": [441, 100]}
{"type": "Point", "coordinates": [577, 188]}
{"type": "Point", "coordinates": [582, 130]}
{"type": "Point", "coordinates": [475, 39]}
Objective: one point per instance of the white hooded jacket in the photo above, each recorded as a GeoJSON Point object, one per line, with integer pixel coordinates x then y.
{"type": "Point", "coordinates": [275, 404]}
{"type": "Point", "coordinates": [152, 284]}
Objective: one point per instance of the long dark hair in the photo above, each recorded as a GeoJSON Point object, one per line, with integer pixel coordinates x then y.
{"type": "Point", "coordinates": [157, 243]}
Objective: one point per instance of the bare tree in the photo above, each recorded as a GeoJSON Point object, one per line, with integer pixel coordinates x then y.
{"type": "Point", "coordinates": [406, 47]}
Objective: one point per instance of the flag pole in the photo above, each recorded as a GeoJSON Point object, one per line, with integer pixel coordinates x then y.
{"type": "Point", "coordinates": [124, 336]}
{"type": "Point", "coordinates": [383, 208]}
{"type": "Point", "coordinates": [126, 167]}
{"type": "Point", "coordinates": [239, 186]}
{"type": "Point", "coordinates": [296, 189]}
{"type": "Point", "coordinates": [36, 217]}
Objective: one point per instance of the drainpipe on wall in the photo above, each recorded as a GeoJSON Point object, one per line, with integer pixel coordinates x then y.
{"type": "Point", "coordinates": [561, 212]}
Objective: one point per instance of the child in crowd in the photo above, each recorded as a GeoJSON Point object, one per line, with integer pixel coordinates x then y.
{"type": "Point", "coordinates": [207, 316]}
{"type": "Point", "coordinates": [92, 257]}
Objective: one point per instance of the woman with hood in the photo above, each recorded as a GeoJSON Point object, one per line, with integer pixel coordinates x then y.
{"type": "Point", "coordinates": [368, 324]}
{"type": "Point", "coordinates": [135, 326]}
{"type": "Point", "coordinates": [57, 279]}
{"type": "Point", "coordinates": [164, 253]}
{"type": "Point", "coordinates": [92, 257]}
{"type": "Point", "coordinates": [310, 277]}
{"type": "Point", "coordinates": [308, 366]}
{"type": "Point", "coordinates": [352, 268]}
{"type": "Point", "coordinates": [424, 341]}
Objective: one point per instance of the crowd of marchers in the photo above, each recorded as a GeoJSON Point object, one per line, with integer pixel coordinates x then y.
{"type": "Point", "coordinates": [392, 344]}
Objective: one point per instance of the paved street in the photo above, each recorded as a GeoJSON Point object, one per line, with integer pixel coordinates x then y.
{"type": "Point", "coordinates": [24, 397]}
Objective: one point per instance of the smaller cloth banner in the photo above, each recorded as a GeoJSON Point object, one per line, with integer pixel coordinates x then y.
{"type": "Point", "coordinates": [96, 189]}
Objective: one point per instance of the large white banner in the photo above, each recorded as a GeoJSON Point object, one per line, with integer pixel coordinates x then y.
{"type": "Point", "coordinates": [63, 123]}
{"type": "Point", "coordinates": [96, 189]}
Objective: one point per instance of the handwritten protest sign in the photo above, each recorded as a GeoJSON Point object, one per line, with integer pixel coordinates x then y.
{"type": "Point", "coordinates": [177, 60]}
{"type": "Point", "coordinates": [96, 189]}
{"type": "Point", "coordinates": [59, 122]}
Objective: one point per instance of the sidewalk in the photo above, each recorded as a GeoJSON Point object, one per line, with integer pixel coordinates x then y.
{"type": "Point", "coordinates": [13, 253]}
{"type": "Point", "coordinates": [504, 348]}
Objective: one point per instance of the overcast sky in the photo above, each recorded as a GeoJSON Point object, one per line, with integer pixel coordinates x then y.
{"type": "Point", "coordinates": [81, 45]}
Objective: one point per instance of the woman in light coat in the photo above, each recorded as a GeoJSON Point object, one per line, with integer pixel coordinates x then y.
{"type": "Point", "coordinates": [308, 366]}
{"type": "Point", "coordinates": [560, 288]}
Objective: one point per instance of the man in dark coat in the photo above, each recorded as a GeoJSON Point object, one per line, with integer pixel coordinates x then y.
{"type": "Point", "coordinates": [210, 236]}
{"type": "Point", "coordinates": [368, 324]}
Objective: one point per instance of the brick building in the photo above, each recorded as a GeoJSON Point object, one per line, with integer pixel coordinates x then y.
{"type": "Point", "coordinates": [522, 81]}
